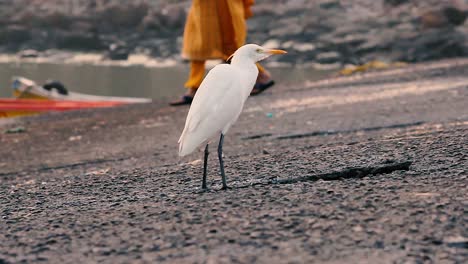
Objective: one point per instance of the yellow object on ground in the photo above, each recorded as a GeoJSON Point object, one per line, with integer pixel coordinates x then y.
{"type": "Point", "coordinates": [372, 65]}
{"type": "Point", "coordinates": [5, 114]}
{"type": "Point", "coordinates": [29, 95]}
{"type": "Point", "coordinates": [215, 28]}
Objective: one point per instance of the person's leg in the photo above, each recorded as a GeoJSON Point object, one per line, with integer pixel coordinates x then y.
{"type": "Point", "coordinates": [264, 76]}
{"type": "Point", "coordinates": [197, 72]}
{"type": "Point", "coordinates": [264, 80]}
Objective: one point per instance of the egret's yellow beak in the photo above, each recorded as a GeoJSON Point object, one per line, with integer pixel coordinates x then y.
{"type": "Point", "coordinates": [276, 51]}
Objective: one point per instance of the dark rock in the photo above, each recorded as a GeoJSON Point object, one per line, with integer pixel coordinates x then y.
{"type": "Point", "coordinates": [14, 34]}
{"type": "Point", "coordinates": [152, 21]}
{"type": "Point", "coordinates": [117, 16]}
{"type": "Point", "coordinates": [156, 27]}
{"type": "Point", "coordinates": [55, 85]}
{"type": "Point", "coordinates": [83, 26]}
{"type": "Point", "coordinates": [54, 20]}
{"type": "Point", "coordinates": [379, 244]}
{"type": "Point", "coordinates": [28, 53]}
{"type": "Point", "coordinates": [118, 51]}
{"type": "Point", "coordinates": [395, 2]}
{"type": "Point", "coordinates": [457, 242]}
{"type": "Point", "coordinates": [445, 17]}
{"type": "Point", "coordinates": [79, 41]}
{"type": "Point", "coordinates": [370, 46]}
{"type": "Point", "coordinates": [174, 17]}
{"type": "Point", "coordinates": [455, 16]}
{"type": "Point", "coordinates": [351, 40]}
{"type": "Point", "coordinates": [265, 10]}
{"type": "Point", "coordinates": [15, 130]}
{"type": "Point", "coordinates": [330, 4]}
{"type": "Point", "coordinates": [433, 44]}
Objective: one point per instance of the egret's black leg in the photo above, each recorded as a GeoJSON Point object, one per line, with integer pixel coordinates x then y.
{"type": "Point", "coordinates": [205, 165]}
{"type": "Point", "coordinates": [221, 163]}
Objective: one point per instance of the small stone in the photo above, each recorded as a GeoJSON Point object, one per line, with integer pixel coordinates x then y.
{"type": "Point", "coordinates": [330, 4]}
{"type": "Point", "coordinates": [28, 53]}
{"type": "Point", "coordinates": [271, 44]}
{"type": "Point", "coordinates": [15, 130]}
{"type": "Point", "coordinates": [287, 30]}
{"type": "Point", "coordinates": [456, 242]}
{"type": "Point", "coordinates": [303, 47]}
{"type": "Point", "coordinates": [358, 229]}
{"type": "Point", "coordinates": [395, 2]}
{"type": "Point", "coordinates": [328, 57]}
{"type": "Point", "coordinates": [118, 51]}
{"type": "Point", "coordinates": [288, 44]}
{"type": "Point", "coordinates": [379, 244]}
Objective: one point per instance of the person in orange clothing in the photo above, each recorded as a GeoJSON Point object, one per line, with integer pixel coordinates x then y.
{"type": "Point", "coordinates": [215, 29]}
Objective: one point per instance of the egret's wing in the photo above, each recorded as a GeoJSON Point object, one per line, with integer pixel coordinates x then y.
{"type": "Point", "coordinates": [213, 106]}
{"type": "Point", "coordinates": [213, 88]}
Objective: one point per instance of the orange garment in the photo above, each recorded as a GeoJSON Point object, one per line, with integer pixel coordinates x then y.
{"type": "Point", "coordinates": [215, 28]}
{"type": "Point", "coordinates": [197, 72]}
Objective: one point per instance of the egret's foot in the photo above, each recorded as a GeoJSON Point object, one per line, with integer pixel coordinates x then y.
{"type": "Point", "coordinates": [201, 191]}
{"type": "Point", "coordinates": [184, 100]}
{"type": "Point", "coordinates": [225, 187]}
{"type": "Point", "coordinates": [261, 87]}
{"type": "Point", "coordinates": [204, 190]}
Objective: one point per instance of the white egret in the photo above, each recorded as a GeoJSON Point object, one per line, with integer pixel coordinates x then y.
{"type": "Point", "coordinates": [219, 101]}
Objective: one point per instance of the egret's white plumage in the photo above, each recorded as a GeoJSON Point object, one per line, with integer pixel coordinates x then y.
{"type": "Point", "coordinates": [220, 98]}
{"type": "Point", "coordinates": [216, 105]}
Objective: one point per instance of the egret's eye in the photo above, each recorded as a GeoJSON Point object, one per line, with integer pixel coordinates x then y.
{"type": "Point", "coordinates": [259, 51]}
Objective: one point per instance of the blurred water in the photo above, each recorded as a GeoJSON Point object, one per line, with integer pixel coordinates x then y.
{"type": "Point", "coordinates": [132, 81]}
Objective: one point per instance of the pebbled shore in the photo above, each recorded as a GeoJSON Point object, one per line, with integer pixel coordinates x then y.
{"type": "Point", "coordinates": [368, 168]}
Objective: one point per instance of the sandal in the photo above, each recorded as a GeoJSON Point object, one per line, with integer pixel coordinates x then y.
{"type": "Point", "coordinates": [261, 87]}
{"type": "Point", "coordinates": [184, 100]}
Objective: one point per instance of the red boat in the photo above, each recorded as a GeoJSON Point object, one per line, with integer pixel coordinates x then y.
{"type": "Point", "coordinates": [34, 99]}
{"type": "Point", "coordinates": [19, 107]}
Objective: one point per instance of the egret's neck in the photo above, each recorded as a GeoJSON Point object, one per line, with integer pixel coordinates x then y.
{"type": "Point", "coordinates": [245, 64]}
{"type": "Point", "coordinates": [240, 60]}
{"type": "Point", "coordinates": [248, 71]}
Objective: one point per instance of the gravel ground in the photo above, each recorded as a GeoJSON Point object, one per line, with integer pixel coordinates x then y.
{"type": "Point", "coordinates": [364, 169]}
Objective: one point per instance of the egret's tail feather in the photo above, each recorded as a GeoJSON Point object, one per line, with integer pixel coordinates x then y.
{"type": "Point", "coordinates": [189, 142]}
{"type": "Point", "coordinates": [186, 148]}
{"type": "Point", "coordinates": [183, 148]}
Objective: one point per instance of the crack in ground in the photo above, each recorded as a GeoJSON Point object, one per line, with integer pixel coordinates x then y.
{"type": "Point", "coordinates": [333, 132]}
{"type": "Point", "coordinates": [353, 172]}
{"type": "Point", "coordinates": [65, 166]}
{"type": "Point", "coordinates": [256, 136]}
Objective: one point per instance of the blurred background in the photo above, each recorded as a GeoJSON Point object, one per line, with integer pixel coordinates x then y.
{"type": "Point", "coordinates": [132, 48]}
